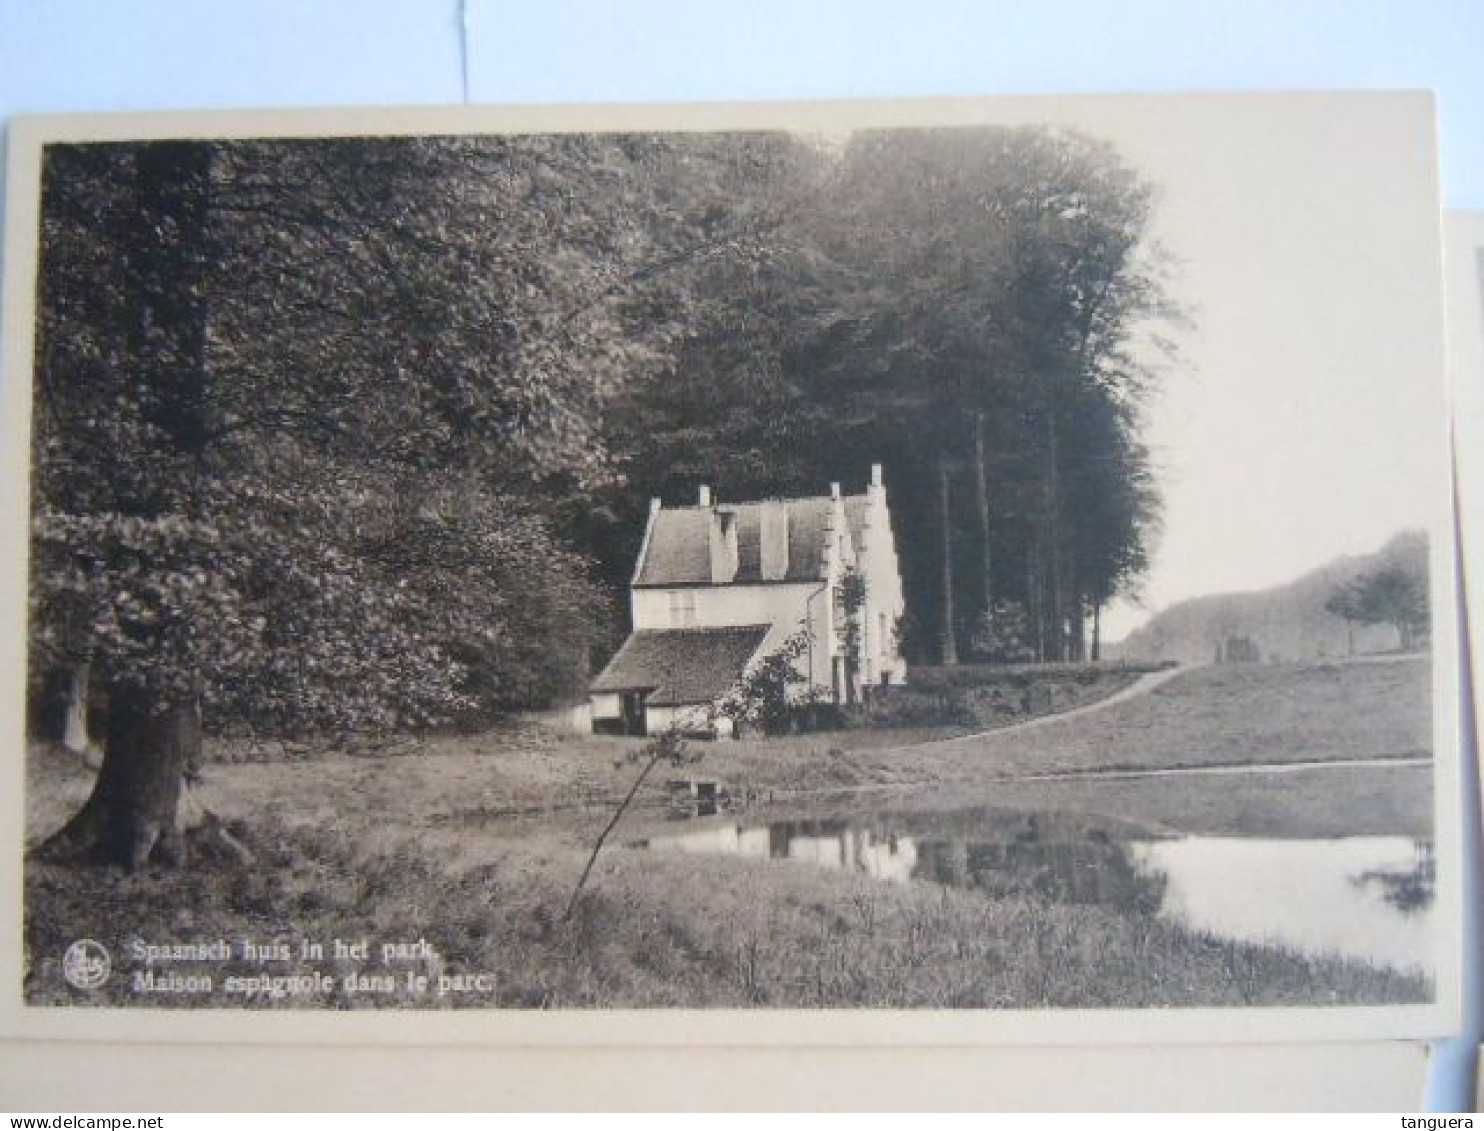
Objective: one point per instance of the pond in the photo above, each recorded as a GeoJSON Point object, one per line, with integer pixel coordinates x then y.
{"type": "Point", "coordinates": [1367, 897]}
{"type": "Point", "coordinates": [1363, 897]}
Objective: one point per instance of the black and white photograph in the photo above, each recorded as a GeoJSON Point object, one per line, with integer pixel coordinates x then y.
{"type": "Point", "coordinates": [978, 559]}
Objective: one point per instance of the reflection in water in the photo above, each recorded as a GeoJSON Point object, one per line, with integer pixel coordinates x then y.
{"type": "Point", "coordinates": [1410, 889]}
{"type": "Point", "coordinates": [1361, 897]}
{"type": "Point", "coordinates": [1091, 868]}
{"type": "Point", "coordinates": [829, 844]}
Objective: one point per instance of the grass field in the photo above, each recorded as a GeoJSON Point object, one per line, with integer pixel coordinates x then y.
{"type": "Point", "coordinates": [663, 931]}
{"type": "Point", "coordinates": [475, 843]}
{"type": "Point", "coordinates": [1233, 714]}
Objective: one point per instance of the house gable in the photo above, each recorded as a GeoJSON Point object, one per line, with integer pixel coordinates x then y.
{"type": "Point", "coordinates": [719, 584]}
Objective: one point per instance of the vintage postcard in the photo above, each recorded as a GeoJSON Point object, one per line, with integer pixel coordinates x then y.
{"type": "Point", "coordinates": [927, 572]}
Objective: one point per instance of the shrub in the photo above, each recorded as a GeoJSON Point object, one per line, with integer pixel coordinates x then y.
{"type": "Point", "coordinates": [762, 698]}
{"type": "Point", "coordinates": [1003, 635]}
{"type": "Point", "coordinates": [894, 707]}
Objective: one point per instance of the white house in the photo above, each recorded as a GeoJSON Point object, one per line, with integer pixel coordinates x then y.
{"type": "Point", "coordinates": [718, 586]}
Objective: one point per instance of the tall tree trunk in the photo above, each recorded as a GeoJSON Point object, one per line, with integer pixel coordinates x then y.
{"type": "Point", "coordinates": [1054, 604]}
{"type": "Point", "coordinates": [131, 816]}
{"type": "Point", "coordinates": [1097, 631]}
{"type": "Point", "coordinates": [1035, 613]}
{"type": "Point", "coordinates": [948, 646]}
{"type": "Point", "coordinates": [75, 734]}
{"type": "Point", "coordinates": [1077, 631]}
{"type": "Point", "coordinates": [981, 506]}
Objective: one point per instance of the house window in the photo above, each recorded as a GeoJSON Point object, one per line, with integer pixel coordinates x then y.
{"type": "Point", "coordinates": [682, 610]}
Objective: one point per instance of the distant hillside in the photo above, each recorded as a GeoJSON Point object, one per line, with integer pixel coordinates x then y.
{"type": "Point", "coordinates": [1286, 622]}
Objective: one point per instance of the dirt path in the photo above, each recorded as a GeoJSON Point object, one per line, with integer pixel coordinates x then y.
{"type": "Point", "coordinates": [1141, 686]}
{"type": "Point", "coordinates": [1236, 768]}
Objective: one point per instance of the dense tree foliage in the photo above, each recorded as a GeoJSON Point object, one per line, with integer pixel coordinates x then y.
{"type": "Point", "coordinates": [981, 310]}
{"type": "Point", "coordinates": [358, 433]}
{"type": "Point", "coordinates": [1393, 594]}
{"type": "Point", "coordinates": [305, 412]}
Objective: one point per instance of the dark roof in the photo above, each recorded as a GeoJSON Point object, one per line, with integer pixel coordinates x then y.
{"type": "Point", "coordinates": [681, 665]}
{"type": "Point", "coordinates": [679, 548]}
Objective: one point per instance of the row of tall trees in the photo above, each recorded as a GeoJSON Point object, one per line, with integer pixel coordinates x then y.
{"type": "Point", "coordinates": [357, 433]}
{"type": "Point", "coordinates": [982, 311]}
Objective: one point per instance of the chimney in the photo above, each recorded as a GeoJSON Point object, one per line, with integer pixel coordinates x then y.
{"type": "Point", "coordinates": [877, 489]}
{"type": "Point", "coordinates": [773, 540]}
{"type": "Point", "coordinates": [834, 490]}
{"type": "Point", "coordinates": [655, 505]}
{"type": "Point", "coordinates": [705, 496]}
{"type": "Point", "coordinates": [721, 539]}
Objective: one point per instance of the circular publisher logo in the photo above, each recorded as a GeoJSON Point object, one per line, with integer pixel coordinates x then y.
{"type": "Point", "coordinates": [86, 964]}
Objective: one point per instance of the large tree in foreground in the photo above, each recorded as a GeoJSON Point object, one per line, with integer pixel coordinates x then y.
{"type": "Point", "coordinates": [302, 412]}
